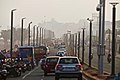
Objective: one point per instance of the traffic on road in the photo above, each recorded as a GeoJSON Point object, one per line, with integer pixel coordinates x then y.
{"type": "Point", "coordinates": [33, 63]}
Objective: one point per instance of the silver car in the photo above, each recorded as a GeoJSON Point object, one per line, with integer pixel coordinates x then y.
{"type": "Point", "coordinates": [68, 66]}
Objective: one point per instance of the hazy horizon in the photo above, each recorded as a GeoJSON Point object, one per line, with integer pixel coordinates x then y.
{"type": "Point", "coordinates": [64, 11]}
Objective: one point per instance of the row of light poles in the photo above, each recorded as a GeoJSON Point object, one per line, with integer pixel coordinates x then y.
{"type": "Point", "coordinates": [101, 37]}
{"type": "Point", "coordinates": [22, 22]}
{"type": "Point", "coordinates": [101, 9]}
{"type": "Point", "coordinates": [101, 40]}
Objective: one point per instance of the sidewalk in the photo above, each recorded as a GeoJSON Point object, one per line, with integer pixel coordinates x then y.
{"type": "Point", "coordinates": [118, 56]}
{"type": "Point", "coordinates": [92, 74]}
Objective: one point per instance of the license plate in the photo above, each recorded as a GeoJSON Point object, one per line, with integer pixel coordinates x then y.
{"type": "Point", "coordinates": [68, 69]}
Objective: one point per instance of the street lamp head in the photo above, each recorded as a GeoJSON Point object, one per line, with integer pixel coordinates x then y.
{"type": "Point", "coordinates": [23, 18]}
{"type": "Point", "coordinates": [83, 28]}
{"type": "Point", "coordinates": [13, 10]}
{"type": "Point", "coordinates": [30, 23]}
{"type": "Point", "coordinates": [35, 25]}
{"type": "Point", "coordinates": [98, 7]}
{"type": "Point", "coordinates": [114, 3]}
{"type": "Point", "coordinates": [89, 19]}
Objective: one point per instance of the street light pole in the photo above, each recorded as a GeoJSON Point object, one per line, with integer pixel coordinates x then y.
{"type": "Point", "coordinates": [37, 37]}
{"type": "Point", "coordinates": [90, 41]}
{"type": "Point", "coordinates": [11, 33]}
{"type": "Point", "coordinates": [40, 38]}
{"type": "Point", "coordinates": [83, 48]}
{"type": "Point", "coordinates": [75, 44]}
{"type": "Point", "coordinates": [78, 44]}
{"type": "Point", "coordinates": [34, 35]}
{"type": "Point", "coordinates": [29, 34]}
{"type": "Point", "coordinates": [101, 53]}
{"type": "Point", "coordinates": [113, 38]}
{"type": "Point", "coordinates": [22, 31]}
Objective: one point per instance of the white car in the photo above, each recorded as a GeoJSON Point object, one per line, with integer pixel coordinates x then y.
{"type": "Point", "coordinates": [67, 67]}
{"type": "Point", "coordinates": [60, 53]}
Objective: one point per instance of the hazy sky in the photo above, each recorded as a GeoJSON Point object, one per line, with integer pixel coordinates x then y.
{"type": "Point", "coordinates": [61, 10]}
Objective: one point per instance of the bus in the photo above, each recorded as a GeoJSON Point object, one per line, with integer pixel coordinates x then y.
{"type": "Point", "coordinates": [26, 54]}
{"type": "Point", "coordinates": [40, 52]}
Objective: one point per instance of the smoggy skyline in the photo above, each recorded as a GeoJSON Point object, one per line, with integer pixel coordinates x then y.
{"type": "Point", "coordinates": [39, 11]}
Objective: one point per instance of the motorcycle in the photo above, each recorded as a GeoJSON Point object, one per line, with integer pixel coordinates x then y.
{"type": "Point", "coordinates": [3, 73]}
{"type": "Point", "coordinates": [14, 70]}
{"type": "Point", "coordinates": [22, 66]}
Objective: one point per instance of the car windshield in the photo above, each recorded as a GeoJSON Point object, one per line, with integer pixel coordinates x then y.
{"type": "Point", "coordinates": [52, 60]}
{"type": "Point", "coordinates": [68, 61]}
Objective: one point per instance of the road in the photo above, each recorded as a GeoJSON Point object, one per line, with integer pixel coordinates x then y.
{"type": "Point", "coordinates": [106, 65]}
{"type": "Point", "coordinates": [37, 74]}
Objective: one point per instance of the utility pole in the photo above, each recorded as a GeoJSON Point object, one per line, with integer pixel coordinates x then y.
{"type": "Point", "coordinates": [90, 54]}
{"type": "Point", "coordinates": [40, 38]}
{"type": "Point", "coordinates": [37, 37]}
{"type": "Point", "coordinates": [34, 35]}
{"type": "Point", "coordinates": [11, 40]}
{"type": "Point", "coordinates": [22, 31]}
{"type": "Point", "coordinates": [109, 40]}
{"type": "Point", "coordinates": [83, 48]}
{"type": "Point", "coordinates": [113, 38]}
{"type": "Point", "coordinates": [72, 44]}
{"type": "Point", "coordinates": [29, 34]}
{"type": "Point", "coordinates": [42, 35]}
{"type": "Point", "coordinates": [101, 53]}
{"type": "Point", "coordinates": [75, 44]}
{"type": "Point", "coordinates": [79, 45]}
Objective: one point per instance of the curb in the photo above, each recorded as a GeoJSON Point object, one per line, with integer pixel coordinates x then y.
{"type": "Point", "coordinates": [94, 77]}
{"type": "Point", "coordinates": [117, 57]}
{"type": "Point", "coordinates": [89, 76]}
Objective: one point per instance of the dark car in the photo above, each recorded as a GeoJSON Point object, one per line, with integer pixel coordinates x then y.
{"type": "Point", "coordinates": [50, 64]}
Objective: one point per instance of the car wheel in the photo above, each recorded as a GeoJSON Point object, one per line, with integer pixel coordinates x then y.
{"type": "Point", "coordinates": [56, 77]}
{"type": "Point", "coordinates": [45, 73]}
{"type": "Point", "coordinates": [80, 77]}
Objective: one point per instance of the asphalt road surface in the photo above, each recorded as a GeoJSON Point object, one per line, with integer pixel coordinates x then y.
{"type": "Point", "coordinates": [37, 74]}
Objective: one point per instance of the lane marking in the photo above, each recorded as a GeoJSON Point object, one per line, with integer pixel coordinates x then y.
{"type": "Point", "coordinates": [29, 73]}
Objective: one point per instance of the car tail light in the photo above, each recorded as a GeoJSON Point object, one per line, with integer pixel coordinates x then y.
{"type": "Point", "coordinates": [78, 66]}
{"type": "Point", "coordinates": [58, 67]}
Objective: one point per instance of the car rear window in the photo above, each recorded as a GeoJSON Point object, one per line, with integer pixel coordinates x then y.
{"type": "Point", "coordinates": [52, 60]}
{"type": "Point", "coordinates": [68, 61]}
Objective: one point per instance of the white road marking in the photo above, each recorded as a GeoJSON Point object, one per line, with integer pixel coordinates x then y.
{"type": "Point", "coordinates": [29, 73]}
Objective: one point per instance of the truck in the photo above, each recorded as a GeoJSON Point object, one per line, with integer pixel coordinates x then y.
{"type": "Point", "coordinates": [39, 53]}
{"type": "Point", "coordinates": [26, 54]}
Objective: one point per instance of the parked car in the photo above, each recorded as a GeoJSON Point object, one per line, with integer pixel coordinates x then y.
{"type": "Point", "coordinates": [50, 64]}
{"type": "Point", "coordinates": [68, 66]}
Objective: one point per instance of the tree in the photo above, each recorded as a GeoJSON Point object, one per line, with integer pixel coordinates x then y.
{"type": "Point", "coordinates": [5, 34]}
